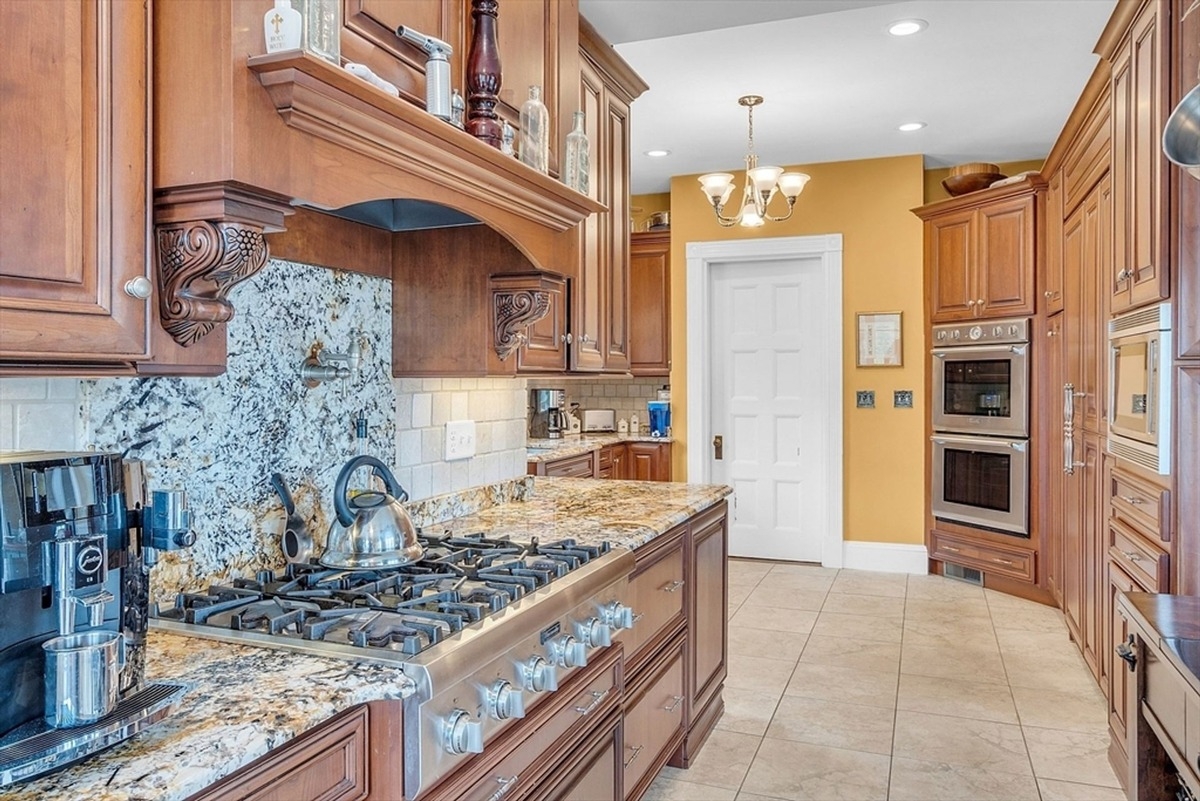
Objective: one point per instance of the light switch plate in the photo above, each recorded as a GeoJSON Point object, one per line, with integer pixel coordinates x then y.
{"type": "Point", "coordinates": [460, 439]}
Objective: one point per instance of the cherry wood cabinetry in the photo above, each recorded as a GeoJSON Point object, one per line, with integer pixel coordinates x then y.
{"type": "Point", "coordinates": [1140, 106]}
{"type": "Point", "coordinates": [581, 465]}
{"type": "Point", "coordinates": [654, 722]}
{"type": "Point", "coordinates": [980, 252]}
{"type": "Point", "coordinates": [1087, 252]}
{"type": "Point", "coordinates": [74, 212]}
{"type": "Point", "coordinates": [1051, 280]}
{"type": "Point", "coordinates": [1083, 555]}
{"type": "Point", "coordinates": [344, 759]}
{"type": "Point", "coordinates": [1121, 687]}
{"type": "Point", "coordinates": [636, 461]}
{"type": "Point", "coordinates": [648, 461]}
{"type": "Point", "coordinates": [600, 321]}
{"type": "Point", "coordinates": [650, 303]}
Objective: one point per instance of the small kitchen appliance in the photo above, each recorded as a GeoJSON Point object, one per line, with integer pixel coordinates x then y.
{"type": "Point", "coordinates": [1139, 387]}
{"type": "Point", "coordinates": [547, 419]}
{"type": "Point", "coordinates": [597, 421]}
{"type": "Point", "coordinates": [659, 412]}
{"type": "Point", "coordinates": [74, 683]}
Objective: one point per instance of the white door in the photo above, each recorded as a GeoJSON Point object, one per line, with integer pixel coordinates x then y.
{"type": "Point", "coordinates": [767, 404]}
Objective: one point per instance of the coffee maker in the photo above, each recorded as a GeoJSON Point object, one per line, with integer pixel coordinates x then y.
{"type": "Point", "coordinates": [74, 605]}
{"type": "Point", "coordinates": [547, 419]}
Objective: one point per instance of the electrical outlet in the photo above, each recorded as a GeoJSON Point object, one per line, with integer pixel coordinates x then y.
{"type": "Point", "coordinates": [460, 439]}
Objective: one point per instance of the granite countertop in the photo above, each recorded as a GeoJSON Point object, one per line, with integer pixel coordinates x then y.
{"type": "Point", "coordinates": [547, 450]}
{"type": "Point", "coordinates": [243, 701]}
{"type": "Point", "coordinates": [626, 513]}
{"type": "Point", "coordinates": [246, 700]}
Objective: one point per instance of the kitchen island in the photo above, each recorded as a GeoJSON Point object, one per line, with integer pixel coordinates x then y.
{"type": "Point", "coordinates": [248, 701]}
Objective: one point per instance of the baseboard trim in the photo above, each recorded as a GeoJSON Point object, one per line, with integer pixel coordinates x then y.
{"type": "Point", "coordinates": [885, 557]}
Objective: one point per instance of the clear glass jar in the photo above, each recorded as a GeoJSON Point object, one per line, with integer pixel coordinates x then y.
{"type": "Point", "coordinates": [535, 131]}
{"type": "Point", "coordinates": [323, 29]}
{"type": "Point", "coordinates": [577, 162]}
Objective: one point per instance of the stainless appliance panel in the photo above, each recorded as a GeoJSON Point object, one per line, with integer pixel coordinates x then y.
{"type": "Point", "coordinates": [982, 389]}
{"type": "Point", "coordinates": [1139, 388]}
{"type": "Point", "coordinates": [982, 481]}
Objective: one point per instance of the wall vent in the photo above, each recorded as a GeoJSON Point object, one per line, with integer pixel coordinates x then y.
{"type": "Point", "coordinates": [967, 574]}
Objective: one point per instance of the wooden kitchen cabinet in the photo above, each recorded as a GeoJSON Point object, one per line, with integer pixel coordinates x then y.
{"type": "Point", "coordinates": [74, 214]}
{"type": "Point", "coordinates": [980, 252]}
{"type": "Point", "coordinates": [648, 461]}
{"type": "Point", "coordinates": [328, 763]}
{"type": "Point", "coordinates": [1140, 106]}
{"type": "Point", "coordinates": [1083, 554]}
{"type": "Point", "coordinates": [656, 595]}
{"type": "Point", "coordinates": [543, 342]}
{"type": "Point", "coordinates": [581, 465]}
{"type": "Point", "coordinates": [1051, 281]}
{"type": "Point", "coordinates": [654, 722]}
{"type": "Point", "coordinates": [650, 303]}
{"type": "Point", "coordinates": [600, 320]}
{"type": "Point", "coordinates": [1087, 252]}
{"type": "Point", "coordinates": [1122, 684]}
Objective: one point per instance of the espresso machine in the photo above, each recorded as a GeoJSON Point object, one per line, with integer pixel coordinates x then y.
{"type": "Point", "coordinates": [546, 413]}
{"type": "Point", "coordinates": [74, 604]}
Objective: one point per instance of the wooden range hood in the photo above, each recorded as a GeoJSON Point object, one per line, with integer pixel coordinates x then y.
{"type": "Point", "coordinates": [241, 139]}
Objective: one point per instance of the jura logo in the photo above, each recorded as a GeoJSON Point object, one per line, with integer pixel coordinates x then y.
{"type": "Point", "coordinates": [90, 560]}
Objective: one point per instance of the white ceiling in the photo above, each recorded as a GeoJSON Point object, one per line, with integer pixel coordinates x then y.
{"type": "Point", "coordinates": [994, 79]}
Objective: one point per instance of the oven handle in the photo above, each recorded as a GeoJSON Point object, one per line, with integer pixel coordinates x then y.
{"type": "Point", "coordinates": [988, 444]}
{"type": "Point", "coordinates": [970, 350]}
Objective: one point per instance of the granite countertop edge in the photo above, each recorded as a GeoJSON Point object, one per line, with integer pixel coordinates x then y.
{"type": "Point", "coordinates": [245, 701]}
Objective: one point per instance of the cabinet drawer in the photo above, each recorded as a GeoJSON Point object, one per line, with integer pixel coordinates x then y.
{"type": "Point", "coordinates": [604, 458]}
{"type": "Point", "coordinates": [657, 598]}
{"type": "Point", "coordinates": [1014, 562]}
{"type": "Point", "coordinates": [329, 765]}
{"type": "Point", "coordinates": [540, 734]}
{"type": "Point", "coordinates": [1146, 564]}
{"type": "Point", "coordinates": [572, 467]}
{"type": "Point", "coordinates": [654, 718]}
{"type": "Point", "coordinates": [1166, 695]}
{"type": "Point", "coordinates": [1143, 505]}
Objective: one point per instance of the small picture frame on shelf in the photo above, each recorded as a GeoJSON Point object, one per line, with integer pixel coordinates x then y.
{"type": "Point", "coordinates": [879, 339]}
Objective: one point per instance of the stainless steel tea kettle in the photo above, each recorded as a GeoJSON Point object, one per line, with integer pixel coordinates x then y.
{"type": "Point", "coordinates": [372, 529]}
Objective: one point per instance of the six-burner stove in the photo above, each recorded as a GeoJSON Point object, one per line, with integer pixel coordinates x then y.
{"type": "Point", "coordinates": [486, 627]}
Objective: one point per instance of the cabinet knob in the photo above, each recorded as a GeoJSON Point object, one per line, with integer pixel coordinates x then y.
{"type": "Point", "coordinates": [1051, 333]}
{"type": "Point", "coordinates": [139, 287]}
{"type": "Point", "coordinates": [584, 338]}
{"type": "Point", "coordinates": [971, 303]}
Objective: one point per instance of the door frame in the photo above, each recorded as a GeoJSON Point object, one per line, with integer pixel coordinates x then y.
{"type": "Point", "coordinates": [701, 256]}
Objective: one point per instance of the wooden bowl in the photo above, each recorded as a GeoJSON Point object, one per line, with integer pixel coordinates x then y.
{"type": "Point", "coordinates": [973, 167]}
{"type": "Point", "coordinates": [971, 182]}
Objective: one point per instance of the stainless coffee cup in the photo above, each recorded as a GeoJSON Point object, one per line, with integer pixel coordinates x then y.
{"type": "Point", "coordinates": [83, 674]}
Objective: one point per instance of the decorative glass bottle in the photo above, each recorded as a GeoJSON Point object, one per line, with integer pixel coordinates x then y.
{"type": "Point", "coordinates": [535, 131]}
{"type": "Point", "coordinates": [323, 29]}
{"type": "Point", "coordinates": [577, 162]}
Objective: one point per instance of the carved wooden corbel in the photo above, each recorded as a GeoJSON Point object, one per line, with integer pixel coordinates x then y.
{"type": "Point", "coordinates": [199, 263]}
{"type": "Point", "coordinates": [513, 311]}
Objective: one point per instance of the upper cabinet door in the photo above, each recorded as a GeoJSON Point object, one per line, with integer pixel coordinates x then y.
{"type": "Point", "coordinates": [587, 294]}
{"type": "Point", "coordinates": [950, 259]}
{"type": "Point", "coordinates": [73, 192]}
{"type": "Point", "coordinates": [616, 347]}
{"type": "Point", "coordinates": [1006, 258]}
{"type": "Point", "coordinates": [1052, 272]}
{"type": "Point", "coordinates": [1140, 107]}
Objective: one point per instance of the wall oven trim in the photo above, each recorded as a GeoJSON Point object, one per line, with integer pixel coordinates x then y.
{"type": "Point", "coordinates": [1013, 522]}
{"type": "Point", "coordinates": [1016, 425]}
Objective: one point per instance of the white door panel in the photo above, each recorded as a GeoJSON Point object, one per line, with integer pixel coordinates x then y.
{"type": "Point", "coordinates": [768, 404]}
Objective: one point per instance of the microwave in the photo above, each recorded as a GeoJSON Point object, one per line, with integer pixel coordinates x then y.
{"type": "Point", "coordinates": [1139, 387]}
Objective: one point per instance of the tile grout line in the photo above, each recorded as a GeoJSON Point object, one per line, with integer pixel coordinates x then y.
{"type": "Point", "coordinates": [1016, 709]}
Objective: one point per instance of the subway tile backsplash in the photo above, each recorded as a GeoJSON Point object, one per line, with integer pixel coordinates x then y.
{"type": "Point", "coordinates": [625, 396]}
{"type": "Point", "coordinates": [39, 414]}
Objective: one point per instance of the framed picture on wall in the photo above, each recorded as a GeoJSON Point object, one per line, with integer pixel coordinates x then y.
{"type": "Point", "coordinates": [879, 339]}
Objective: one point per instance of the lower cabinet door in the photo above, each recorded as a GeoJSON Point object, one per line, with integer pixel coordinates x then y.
{"type": "Point", "coordinates": [591, 773]}
{"type": "Point", "coordinates": [654, 721]}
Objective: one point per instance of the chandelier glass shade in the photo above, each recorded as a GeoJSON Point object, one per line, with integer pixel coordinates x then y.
{"type": "Point", "coordinates": [762, 184]}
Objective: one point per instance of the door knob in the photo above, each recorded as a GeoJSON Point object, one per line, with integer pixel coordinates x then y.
{"type": "Point", "coordinates": [718, 447]}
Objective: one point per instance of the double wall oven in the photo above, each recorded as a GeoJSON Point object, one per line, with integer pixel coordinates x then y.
{"type": "Point", "coordinates": [981, 425]}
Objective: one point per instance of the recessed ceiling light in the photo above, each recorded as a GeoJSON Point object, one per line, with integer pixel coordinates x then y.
{"type": "Point", "coordinates": [912, 126]}
{"type": "Point", "coordinates": [657, 154]}
{"type": "Point", "coordinates": [907, 27]}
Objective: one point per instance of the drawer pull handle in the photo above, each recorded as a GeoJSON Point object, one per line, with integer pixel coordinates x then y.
{"type": "Point", "coordinates": [505, 786]}
{"type": "Point", "coordinates": [1126, 652]}
{"type": "Point", "coordinates": [597, 698]}
{"type": "Point", "coordinates": [1000, 561]}
{"type": "Point", "coordinates": [673, 586]}
{"type": "Point", "coordinates": [1131, 499]}
{"type": "Point", "coordinates": [637, 750]}
{"type": "Point", "coordinates": [678, 699]}
{"type": "Point", "coordinates": [951, 549]}
{"type": "Point", "coordinates": [1132, 556]}
{"type": "Point", "coordinates": [638, 617]}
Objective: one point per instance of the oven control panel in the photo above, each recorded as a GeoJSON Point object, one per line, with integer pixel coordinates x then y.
{"type": "Point", "coordinates": [995, 332]}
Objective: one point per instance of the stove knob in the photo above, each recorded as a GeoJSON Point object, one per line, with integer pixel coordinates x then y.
{"type": "Point", "coordinates": [1013, 330]}
{"type": "Point", "coordinates": [461, 734]}
{"type": "Point", "coordinates": [975, 333]}
{"type": "Point", "coordinates": [538, 675]}
{"type": "Point", "coordinates": [568, 652]}
{"type": "Point", "coordinates": [618, 615]}
{"type": "Point", "coordinates": [998, 331]}
{"type": "Point", "coordinates": [941, 335]}
{"type": "Point", "coordinates": [596, 633]}
{"type": "Point", "coordinates": [957, 334]}
{"type": "Point", "coordinates": [505, 701]}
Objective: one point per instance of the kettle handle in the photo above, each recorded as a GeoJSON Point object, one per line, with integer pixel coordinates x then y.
{"type": "Point", "coordinates": [341, 503]}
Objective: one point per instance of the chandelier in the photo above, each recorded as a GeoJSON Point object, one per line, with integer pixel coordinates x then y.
{"type": "Point", "coordinates": [761, 184]}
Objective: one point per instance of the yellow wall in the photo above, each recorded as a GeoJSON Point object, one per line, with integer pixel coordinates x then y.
{"type": "Point", "coordinates": [869, 203]}
{"type": "Point", "coordinates": [933, 178]}
{"type": "Point", "coordinates": [642, 206]}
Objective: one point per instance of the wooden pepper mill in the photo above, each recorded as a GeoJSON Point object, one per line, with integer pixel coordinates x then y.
{"type": "Point", "coordinates": [483, 74]}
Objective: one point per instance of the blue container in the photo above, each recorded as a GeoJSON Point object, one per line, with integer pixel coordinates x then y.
{"type": "Point", "coordinates": [660, 418]}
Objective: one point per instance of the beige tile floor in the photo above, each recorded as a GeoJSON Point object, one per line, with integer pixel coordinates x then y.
{"type": "Point", "coordinates": [845, 684]}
